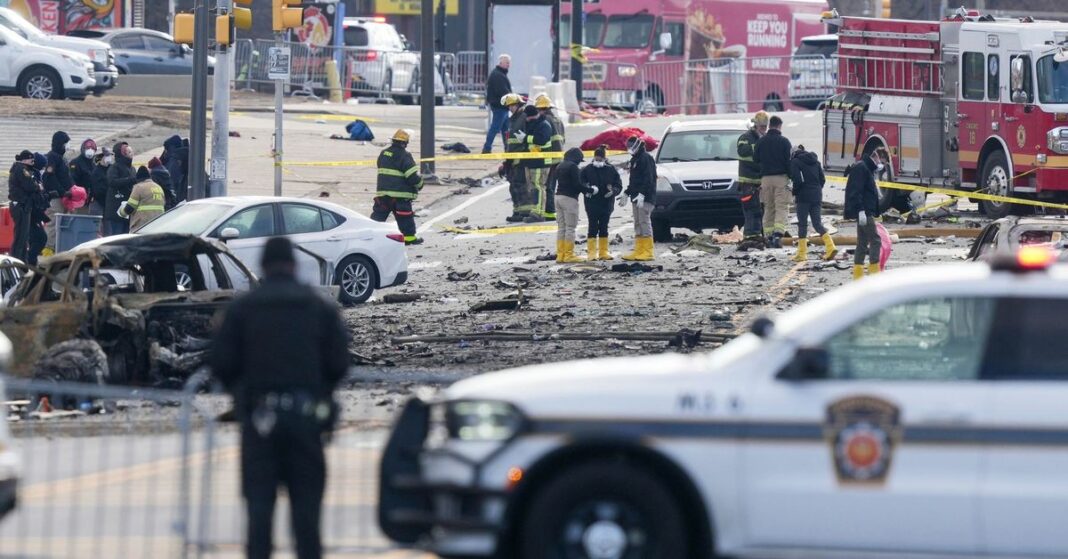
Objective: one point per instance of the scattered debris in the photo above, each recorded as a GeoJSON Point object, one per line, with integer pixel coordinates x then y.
{"type": "Point", "coordinates": [235, 134]}
{"type": "Point", "coordinates": [617, 240]}
{"type": "Point", "coordinates": [547, 257]}
{"type": "Point", "coordinates": [401, 297]}
{"type": "Point", "coordinates": [636, 268]}
{"type": "Point", "coordinates": [457, 147]}
{"type": "Point", "coordinates": [684, 337]}
{"type": "Point", "coordinates": [703, 243]}
{"type": "Point", "coordinates": [460, 221]}
{"type": "Point", "coordinates": [463, 275]}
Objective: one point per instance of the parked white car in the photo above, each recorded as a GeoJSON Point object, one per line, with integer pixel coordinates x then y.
{"type": "Point", "coordinates": [337, 246]}
{"type": "Point", "coordinates": [383, 61]}
{"type": "Point", "coordinates": [39, 72]}
{"type": "Point", "coordinates": [917, 413]}
{"type": "Point", "coordinates": [9, 459]}
{"type": "Point", "coordinates": [107, 74]}
{"type": "Point", "coordinates": [814, 71]}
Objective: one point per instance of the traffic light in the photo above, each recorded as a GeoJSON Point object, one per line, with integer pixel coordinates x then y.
{"type": "Point", "coordinates": [286, 17]}
{"type": "Point", "coordinates": [242, 16]}
{"type": "Point", "coordinates": [183, 28]}
{"type": "Point", "coordinates": [886, 8]}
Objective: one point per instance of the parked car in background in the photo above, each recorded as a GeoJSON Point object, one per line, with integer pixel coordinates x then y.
{"type": "Point", "coordinates": [1010, 233]}
{"type": "Point", "coordinates": [337, 246]}
{"type": "Point", "coordinates": [11, 272]}
{"type": "Point", "coordinates": [814, 71]}
{"type": "Point", "coordinates": [383, 61]}
{"type": "Point", "coordinates": [40, 72]}
{"type": "Point", "coordinates": [697, 182]}
{"type": "Point", "coordinates": [99, 53]}
{"type": "Point", "coordinates": [145, 51]}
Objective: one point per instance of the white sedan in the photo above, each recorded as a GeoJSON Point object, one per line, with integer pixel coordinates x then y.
{"type": "Point", "coordinates": [336, 246]}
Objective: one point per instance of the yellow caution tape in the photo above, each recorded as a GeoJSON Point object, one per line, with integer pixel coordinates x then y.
{"type": "Point", "coordinates": [974, 195]}
{"type": "Point", "coordinates": [501, 230]}
{"type": "Point", "coordinates": [335, 117]}
{"type": "Point", "coordinates": [466, 157]}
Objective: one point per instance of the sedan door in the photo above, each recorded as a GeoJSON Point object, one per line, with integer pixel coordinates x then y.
{"type": "Point", "coordinates": [304, 225]}
{"type": "Point", "coordinates": [130, 54]}
{"type": "Point", "coordinates": [863, 455]}
{"type": "Point", "coordinates": [168, 56]}
{"type": "Point", "coordinates": [254, 226]}
{"type": "Point", "coordinates": [1025, 484]}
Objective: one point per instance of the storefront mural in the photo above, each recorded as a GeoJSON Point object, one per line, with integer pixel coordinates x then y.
{"type": "Point", "coordinates": [63, 16]}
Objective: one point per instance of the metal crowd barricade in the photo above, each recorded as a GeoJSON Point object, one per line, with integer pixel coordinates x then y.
{"type": "Point", "coordinates": [134, 472]}
{"type": "Point", "coordinates": [471, 72]}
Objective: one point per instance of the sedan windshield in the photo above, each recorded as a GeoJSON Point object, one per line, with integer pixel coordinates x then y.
{"type": "Point", "coordinates": [707, 145]}
{"type": "Point", "coordinates": [190, 219]}
{"type": "Point", "coordinates": [628, 32]}
{"type": "Point", "coordinates": [1052, 80]}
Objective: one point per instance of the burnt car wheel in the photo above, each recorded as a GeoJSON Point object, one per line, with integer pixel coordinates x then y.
{"type": "Point", "coordinates": [357, 278]}
{"type": "Point", "coordinates": [603, 509]}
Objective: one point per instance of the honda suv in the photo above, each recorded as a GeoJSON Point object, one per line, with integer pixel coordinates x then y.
{"type": "Point", "coordinates": [383, 62]}
{"type": "Point", "coordinates": [697, 177]}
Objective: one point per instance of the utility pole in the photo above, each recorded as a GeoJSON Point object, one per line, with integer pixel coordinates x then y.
{"type": "Point", "coordinates": [279, 85]}
{"type": "Point", "coordinates": [442, 24]}
{"type": "Point", "coordinates": [576, 46]}
{"type": "Point", "coordinates": [426, 88]}
{"type": "Point", "coordinates": [220, 112]}
{"type": "Point", "coordinates": [198, 110]}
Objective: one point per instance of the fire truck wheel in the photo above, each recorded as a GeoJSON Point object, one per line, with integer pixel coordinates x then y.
{"type": "Point", "coordinates": [996, 181]}
{"type": "Point", "coordinates": [603, 509]}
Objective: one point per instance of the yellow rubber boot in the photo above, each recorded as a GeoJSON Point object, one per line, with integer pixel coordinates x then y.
{"type": "Point", "coordinates": [802, 251]}
{"type": "Point", "coordinates": [873, 269]}
{"type": "Point", "coordinates": [591, 249]}
{"type": "Point", "coordinates": [602, 246]}
{"type": "Point", "coordinates": [858, 271]}
{"type": "Point", "coordinates": [829, 250]}
{"type": "Point", "coordinates": [559, 251]}
{"type": "Point", "coordinates": [46, 252]}
{"type": "Point", "coordinates": [569, 253]}
{"type": "Point", "coordinates": [648, 248]}
{"type": "Point", "coordinates": [637, 252]}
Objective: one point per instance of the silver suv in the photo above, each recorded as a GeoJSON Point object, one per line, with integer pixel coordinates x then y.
{"type": "Point", "coordinates": [381, 62]}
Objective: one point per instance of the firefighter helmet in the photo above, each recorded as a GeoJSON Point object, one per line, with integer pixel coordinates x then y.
{"type": "Point", "coordinates": [401, 135]}
{"type": "Point", "coordinates": [511, 99]}
{"type": "Point", "coordinates": [542, 101]}
{"type": "Point", "coordinates": [761, 118]}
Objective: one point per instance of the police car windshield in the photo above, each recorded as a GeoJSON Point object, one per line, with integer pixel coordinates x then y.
{"type": "Point", "coordinates": [190, 219]}
{"type": "Point", "coordinates": [1052, 80]}
{"type": "Point", "coordinates": [701, 145]}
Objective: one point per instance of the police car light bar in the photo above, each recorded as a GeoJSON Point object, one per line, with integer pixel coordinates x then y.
{"type": "Point", "coordinates": [1027, 259]}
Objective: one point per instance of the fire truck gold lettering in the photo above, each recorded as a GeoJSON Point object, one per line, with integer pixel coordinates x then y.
{"type": "Point", "coordinates": [1021, 136]}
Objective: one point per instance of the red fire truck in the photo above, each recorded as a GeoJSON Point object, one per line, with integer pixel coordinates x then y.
{"type": "Point", "coordinates": [715, 55]}
{"type": "Point", "coordinates": [970, 102]}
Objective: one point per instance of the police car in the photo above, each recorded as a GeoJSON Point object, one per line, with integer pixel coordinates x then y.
{"type": "Point", "coordinates": [918, 413]}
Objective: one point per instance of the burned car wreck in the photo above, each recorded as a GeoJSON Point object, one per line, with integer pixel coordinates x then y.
{"type": "Point", "coordinates": [122, 310]}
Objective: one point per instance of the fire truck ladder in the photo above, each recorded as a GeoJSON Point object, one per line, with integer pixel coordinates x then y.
{"type": "Point", "coordinates": [887, 67]}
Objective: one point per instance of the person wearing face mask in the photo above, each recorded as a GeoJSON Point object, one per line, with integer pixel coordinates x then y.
{"type": "Point", "coordinates": [57, 183]}
{"type": "Point", "coordinates": [806, 173]}
{"type": "Point", "coordinates": [862, 204]}
{"type": "Point", "coordinates": [641, 192]}
{"type": "Point", "coordinates": [81, 170]}
{"type": "Point", "coordinates": [538, 137]}
{"type": "Point", "coordinates": [605, 179]}
{"type": "Point", "coordinates": [749, 179]}
{"type": "Point", "coordinates": [121, 179]}
{"type": "Point", "coordinates": [39, 216]}
{"type": "Point", "coordinates": [98, 181]}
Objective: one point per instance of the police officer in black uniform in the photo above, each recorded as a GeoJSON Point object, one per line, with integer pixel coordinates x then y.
{"type": "Point", "coordinates": [24, 191]}
{"type": "Point", "coordinates": [281, 351]}
{"type": "Point", "coordinates": [399, 184]}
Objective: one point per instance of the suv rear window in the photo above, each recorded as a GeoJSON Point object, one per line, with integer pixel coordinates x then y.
{"type": "Point", "coordinates": [817, 48]}
{"type": "Point", "coordinates": [356, 37]}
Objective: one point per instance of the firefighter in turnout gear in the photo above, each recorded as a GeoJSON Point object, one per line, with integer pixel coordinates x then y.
{"type": "Point", "coordinates": [399, 184]}
{"type": "Point", "coordinates": [512, 169]}
{"type": "Point", "coordinates": [545, 107]}
{"type": "Point", "coordinates": [538, 137]}
{"type": "Point", "coordinates": [749, 178]}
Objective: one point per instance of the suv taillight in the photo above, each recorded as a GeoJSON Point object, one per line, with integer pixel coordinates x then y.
{"type": "Point", "coordinates": [372, 55]}
{"type": "Point", "coordinates": [396, 237]}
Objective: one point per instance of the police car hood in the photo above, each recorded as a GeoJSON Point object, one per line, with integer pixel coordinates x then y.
{"type": "Point", "coordinates": [597, 387]}
{"type": "Point", "coordinates": [679, 171]}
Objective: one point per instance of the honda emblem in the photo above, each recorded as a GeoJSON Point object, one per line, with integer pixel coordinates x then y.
{"type": "Point", "coordinates": [708, 185]}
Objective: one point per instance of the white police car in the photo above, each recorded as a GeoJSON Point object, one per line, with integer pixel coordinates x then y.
{"type": "Point", "coordinates": [923, 412]}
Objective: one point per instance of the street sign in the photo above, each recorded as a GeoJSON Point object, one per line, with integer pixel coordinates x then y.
{"type": "Point", "coordinates": [413, 7]}
{"type": "Point", "coordinates": [278, 60]}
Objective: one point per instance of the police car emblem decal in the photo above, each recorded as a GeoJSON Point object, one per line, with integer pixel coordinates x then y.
{"type": "Point", "coordinates": [863, 432]}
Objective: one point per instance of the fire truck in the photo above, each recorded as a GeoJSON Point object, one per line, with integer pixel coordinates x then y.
{"type": "Point", "coordinates": [971, 102]}
{"type": "Point", "coordinates": [717, 55]}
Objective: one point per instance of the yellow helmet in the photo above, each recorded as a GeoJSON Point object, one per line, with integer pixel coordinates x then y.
{"type": "Point", "coordinates": [761, 118]}
{"type": "Point", "coordinates": [401, 135]}
{"type": "Point", "coordinates": [543, 102]}
{"type": "Point", "coordinates": [510, 99]}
